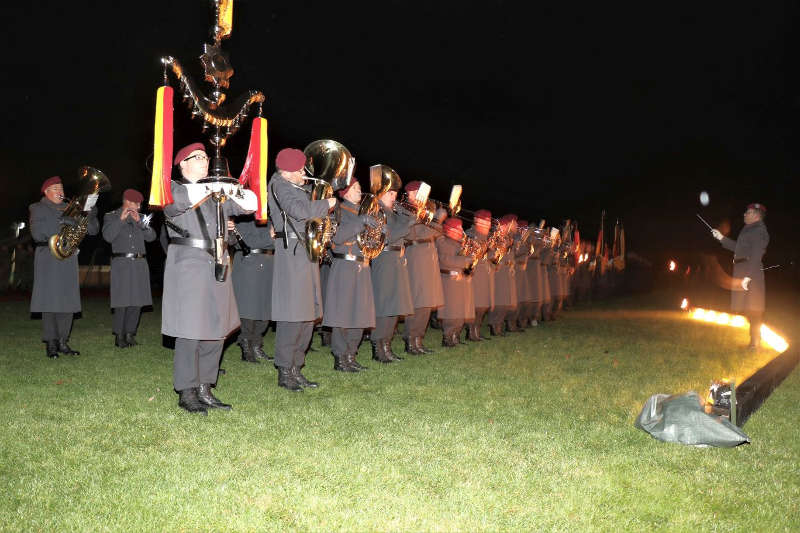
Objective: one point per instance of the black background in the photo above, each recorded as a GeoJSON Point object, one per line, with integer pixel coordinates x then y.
{"type": "Point", "coordinates": [547, 110]}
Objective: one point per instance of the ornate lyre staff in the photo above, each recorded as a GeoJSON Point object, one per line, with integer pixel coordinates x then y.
{"type": "Point", "coordinates": [222, 119]}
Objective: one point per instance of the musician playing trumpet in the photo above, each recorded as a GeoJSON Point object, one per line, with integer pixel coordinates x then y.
{"type": "Point", "coordinates": [127, 230]}
{"type": "Point", "coordinates": [482, 276]}
{"type": "Point", "coordinates": [56, 294]}
{"type": "Point", "coordinates": [459, 303]}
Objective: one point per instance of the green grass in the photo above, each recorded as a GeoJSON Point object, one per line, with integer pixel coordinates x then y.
{"type": "Point", "coordinates": [530, 432]}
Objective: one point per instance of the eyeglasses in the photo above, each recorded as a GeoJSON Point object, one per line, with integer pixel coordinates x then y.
{"type": "Point", "coordinates": [199, 157]}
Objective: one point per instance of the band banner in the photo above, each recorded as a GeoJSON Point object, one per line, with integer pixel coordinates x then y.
{"type": "Point", "coordinates": [254, 173]}
{"type": "Point", "coordinates": [160, 183]}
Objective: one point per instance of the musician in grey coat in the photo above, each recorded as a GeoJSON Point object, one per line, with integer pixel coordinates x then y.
{"type": "Point", "coordinates": [459, 301]}
{"type": "Point", "coordinates": [296, 291]}
{"type": "Point", "coordinates": [518, 319]}
{"type": "Point", "coordinates": [749, 291]}
{"type": "Point", "coordinates": [391, 287]}
{"type": "Point", "coordinates": [349, 306]}
{"type": "Point", "coordinates": [426, 283]}
{"type": "Point", "coordinates": [56, 294]}
{"type": "Point", "coordinates": [197, 309]}
{"type": "Point", "coordinates": [253, 265]}
{"type": "Point", "coordinates": [535, 280]}
{"type": "Point", "coordinates": [505, 288]}
{"type": "Point", "coordinates": [545, 260]}
{"type": "Point", "coordinates": [127, 231]}
{"type": "Point", "coordinates": [482, 276]}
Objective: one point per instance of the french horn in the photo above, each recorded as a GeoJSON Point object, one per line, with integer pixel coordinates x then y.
{"type": "Point", "coordinates": [65, 243]}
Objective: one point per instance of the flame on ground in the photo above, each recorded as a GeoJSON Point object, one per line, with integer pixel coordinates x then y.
{"type": "Point", "coordinates": [770, 337]}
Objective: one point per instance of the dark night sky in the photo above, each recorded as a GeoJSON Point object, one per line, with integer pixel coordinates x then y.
{"type": "Point", "coordinates": [558, 110]}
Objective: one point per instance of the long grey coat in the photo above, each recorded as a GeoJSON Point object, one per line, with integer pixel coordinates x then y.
{"type": "Point", "coordinates": [296, 289]}
{"type": "Point", "coordinates": [55, 281]}
{"type": "Point", "coordinates": [423, 268]}
{"type": "Point", "coordinates": [751, 245]}
{"type": "Point", "coordinates": [534, 272]}
{"type": "Point", "coordinates": [459, 301]}
{"type": "Point", "coordinates": [482, 277]}
{"type": "Point", "coordinates": [520, 250]}
{"type": "Point", "coordinates": [348, 293]}
{"type": "Point", "coordinates": [391, 287]}
{"type": "Point", "coordinates": [252, 275]}
{"type": "Point", "coordinates": [130, 278]}
{"type": "Point", "coordinates": [505, 287]}
{"type": "Point", "coordinates": [194, 304]}
{"type": "Point", "coordinates": [545, 259]}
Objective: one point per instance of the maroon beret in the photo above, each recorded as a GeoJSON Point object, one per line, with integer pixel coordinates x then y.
{"type": "Point", "coordinates": [412, 186]}
{"type": "Point", "coordinates": [483, 214]}
{"type": "Point", "coordinates": [290, 160]}
{"type": "Point", "coordinates": [508, 219]}
{"type": "Point", "coordinates": [758, 207]}
{"type": "Point", "coordinates": [452, 228]}
{"type": "Point", "coordinates": [184, 152]}
{"type": "Point", "coordinates": [132, 195]}
{"type": "Point", "coordinates": [50, 181]}
{"type": "Point", "coordinates": [342, 192]}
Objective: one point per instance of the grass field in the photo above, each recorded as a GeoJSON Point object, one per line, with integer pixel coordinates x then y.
{"type": "Point", "coordinates": [530, 432]}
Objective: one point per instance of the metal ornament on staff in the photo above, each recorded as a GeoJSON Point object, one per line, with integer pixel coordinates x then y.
{"type": "Point", "coordinates": [223, 120]}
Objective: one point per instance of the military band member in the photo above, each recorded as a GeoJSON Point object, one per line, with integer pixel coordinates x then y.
{"type": "Point", "coordinates": [482, 277]}
{"type": "Point", "coordinates": [505, 288]}
{"type": "Point", "coordinates": [296, 290]}
{"type": "Point", "coordinates": [545, 260]}
{"type": "Point", "coordinates": [519, 318]}
{"type": "Point", "coordinates": [253, 264]}
{"type": "Point", "coordinates": [349, 306]}
{"type": "Point", "coordinates": [749, 293]}
{"type": "Point", "coordinates": [56, 294]}
{"type": "Point", "coordinates": [551, 262]}
{"type": "Point", "coordinates": [391, 287]}
{"type": "Point", "coordinates": [459, 302]}
{"type": "Point", "coordinates": [127, 230]}
{"type": "Point", "coordinates": [198, 310]}
{"type": "Point", "coordinates": [423, 273]}
{"type": "Point", "coordinates": [535, 278]}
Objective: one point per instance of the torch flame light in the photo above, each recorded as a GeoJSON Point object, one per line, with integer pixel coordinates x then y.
{"type": "Point", "coordinates": [672, 266]}
{"type": "Point", "coordinates": [685, 304]}
{"type": "Point", "coordinates": [770, 337]}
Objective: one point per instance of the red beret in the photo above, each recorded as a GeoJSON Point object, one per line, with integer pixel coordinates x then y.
{"type": "Point", "coordinates": [50, 181]}
{"type": "Point", "coordinates": [132, 195]}
{"type": "Point", "coordinates": [483, 214]}
{"type": "Point", "coordinates": [453, 229]}
{"type": "Point", "coordinates": [508, 219]}
{"type": "Point", "coordinates": [184, 152]}
{"type": "Point", "coordinates": [758, 207]}
{"type": "Point", "coordinates": [342, 192]}
{"type": "Point", "coordinates": [412, 186]}
{"type": "Point", "coordinates": [290, 160]}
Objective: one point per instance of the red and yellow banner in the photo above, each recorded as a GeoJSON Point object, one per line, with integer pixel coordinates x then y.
{"type": "Point", "coordinates": [254, 173]}
{"type": "Point", "coordinates": [160, 184]}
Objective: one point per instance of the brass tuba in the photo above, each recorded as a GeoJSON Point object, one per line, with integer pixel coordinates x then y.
{"type": "Point", "coordinates": [65, 243]}
{"type": "Point", "coordinates": [372, 239]}
{"type": "Point", "coordinates": [329, 165]}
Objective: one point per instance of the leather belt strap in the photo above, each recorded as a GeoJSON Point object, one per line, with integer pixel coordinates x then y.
{"type": "Point", "coordinates": [290, 234]}
{"type": "Point", "coordinates": [45, 243]}
{"type": "Point", "coordinates": [129, 256]}
{"type": "Point", "coordinates": [350, 257]}
{"type": "Point", "coordinates": [737, 260]}
{"type": "Point", "coordinates": [412, 242]}
{"type": "Point", "coordinates": [193, 243]}
{"type": "Point", "coordinates": [262, 251]}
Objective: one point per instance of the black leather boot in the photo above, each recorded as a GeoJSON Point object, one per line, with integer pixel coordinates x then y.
{"type": "Point", "coordinates": [325, 338]}
{"type": "Point", "coordinates": [130, 339]}
{"type": "Point", "coordinates": [379, 352]}
{"type": "Point", "coordinates": [497, 330]}
{"type": "Point", "coordinates": [411, 346]}
{"type": "Point", "coordinates": [302, 380]}
{"type": "Point", "coordinates": [188, 400]}
{"type": "Point", "coordinates": [119, 341]}
{"type": "Point", "coordinates": [351, 361]}
{"type": "Point", "coordinates": [207, 398]}
{"type": "Point", "coordinates": [247, 351]}
{"type": "Point", "coordinates": [340, 364]}
{"type": "Point", "coordinates": [64, 348]}
{"type": "Point", "coordinates": [387, 349]}
{"type": "Point", "coordinates": [447, 340]}
{"type": "Point", "coordinates": [473, 334]}
{"type": "Point", "coordinates": [421, 347]}
{"type": "Point", "coordinates": [52, 349]}
{"type": "Point", "coordinates": [258, 351]}
{"type": "Point", "coordinates": [287, 380]}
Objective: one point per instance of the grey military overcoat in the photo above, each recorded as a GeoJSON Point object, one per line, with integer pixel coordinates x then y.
{"type": "Point", "coordinates": [520, 250]}
{"type": "Point", "coordinates": [535, 272]}
{"type": "Point", "coordinates": [296, 290]}
{"type": "Point", "coordinates": [391, 288]}
{"type": "Point", "coordinates": [252, 275]}
{"type": "Point", "coordinates": [459, 301]}
{"type": "Point", "coordinates": [423, 267]}
{"type": "Point", "coordinates": [482, 277]}
{"type": "Point", "coordinates": [55, 281]}
{"type": "Point", "coordinates": [748, 250]}
{"type": "Point", "coordinates": [130, 277]}
{"type": "Point", "coordinates": [545, 259]}
{"type": "Point", "coordinates": [348, 294]}
{"type": "Point", "coordinates": [505, 287]}
{"type": "Point", "coordinates": [194, 304]}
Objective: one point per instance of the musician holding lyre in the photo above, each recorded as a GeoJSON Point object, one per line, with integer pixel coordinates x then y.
{"type": "Point", "coordinates": [56, 294]}
{"type": "Point", "coordinates": [127, 230]}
